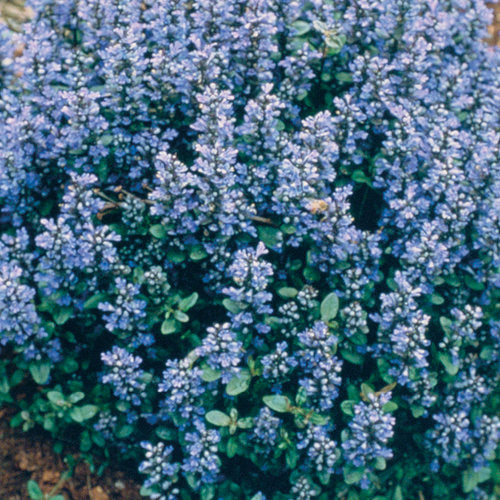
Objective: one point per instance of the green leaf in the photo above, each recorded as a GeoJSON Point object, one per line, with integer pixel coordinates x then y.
{"type": "Point", "coordinates": [218, 418]}
{"type": "Point", "coordinates": [300, 28]}
{"type": "Point", "coordinates": [197, 253]}
{"type": "Point", "coordinates": [445, 359]}
{"type": "Point", "coordinates": [81, 413]}
{"type": "Point", "coordinates": [473, 284]}
{"type": "Point", "coordinates": [352, 357]}
{"type": "Point", "coordinates": [124, 431]}
{"type": "Point", "coordinates": [106, 139]}
{"type": "Point", "coordinates": [390, 406]}
{"type": "Point", "coordinates": [4, 385]}
{"type": "Point", "coordinates": [175, 256]}
{"type": "Point", "coordinates": [232, 306]}
{"type": "Point", "coordinates": [169, 326]}
{"type": "Point", "coordinates": [353, 476]}
{"type": "Point", "coordinates": [75, 397]}
{"type": "Point", "coordinates": [347, 407]}
{"type": "Point", "coordinates": [245, 423]}
{"type": "Point", "coordinates": [258, 496]}
{"type": "Point", "coordinates": [380, 463]}
{"type": "Point", "coordinates": [471, 478]}
{"type": "Point", "coordinates": [239, 383]}
{"type": "Point", "coordinates": [344, 77]}
{"type": "Point", "coordinates": [40, 372]}
{"type": "Point", "coordinates": [34, 490]}
{"type": "Point", "coordinates": [287, 292]}
{"type": "Point", "coordinates": [329, 307]}
{"type": "Point", "coordinates": [158, 231]}
{"type": "Point", "coordinates": [188, 302]}
{"type": "Point", "coordinates": [311, 274]}
{"type": "Point", "coordinates": [232, 447]}
{"type": "Point", "coordinates": [181, 316]}
{"type": "Point", "coordinates": [360, 177]}
{"type": "Point", "coordinates": [446, 325]}
{"type": "Point", "coordinates": [367, 389]}
{"type": "Point", "coordinates": [270, 236]}
{"type": "Point", "coordinates": [62, 314]}
{"type": "Point", "coordinates": [95, 300]}
{"type": "Point", "coordinates": [318, 419]}
{"type": "Point", "coordinates": [291, 458]}
{"type": "Point", "coordinates": [335, 43]}
{"type": "Point", "coordinates": [146, 492]}
{"type": "Point", "coordinates": [398, 493]}
{"type": "Point", "coordinates": [417, 411]}
{"type": "Point", "coordinates": [209, 374]}
{"type": "Point", "coordinates": [277, 403]}
{"type": "Point", "coordinates": [437, 299]}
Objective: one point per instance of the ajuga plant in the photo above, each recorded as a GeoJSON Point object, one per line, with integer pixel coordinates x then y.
{"type": "Point", "coordinates": [251, 248]}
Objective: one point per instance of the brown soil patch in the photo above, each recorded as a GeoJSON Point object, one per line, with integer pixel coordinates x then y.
{"type": "Point", "coordinates": [25, 456]}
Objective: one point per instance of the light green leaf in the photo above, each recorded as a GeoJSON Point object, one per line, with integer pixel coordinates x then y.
{"type": "Point", "coordinates": [347, 407]}
{"type": "Point", "coordinates": [287, 292]}
{"type": "Point", "coordinates": [245, 423]}
{"type": "Point", "coordinates": [56, 398]}
{"type": "Point", "coordinates": [95, 300]}
{"type": "Point", "coordinates": [181, 316]}
{"type": "Point", "coordinates": [232, 306]}
{"type": "Point", "coordinates": [106, 139]}
{"type": "Point", "coordinates": [75, 397]}
{"type": "Point", "coordinates": [390, 406]}
{"type": "Point", "coordinates": [329, 307]}
{"type": "Point", "coordinates": [277, 403]}
{"type": "Point", "coordinates": [197, 253]}
{"type": "Point", "coordinates": [62, 314]}
{"type": "Point", "coordinates": [209, 374]}
{"type": "Point", "coordinates": [158, 231]}
{"type": "Point", "coordinates": [218, 418]}
{"type": "Point", "coordinates": [34, 491]}
{"type": "Point", "coordinates": [188, 302]}
{"type": "Point", "coordinates": [437, 299]}
{"type": "Point", "coordinates": [300, 28]}
{"type": "Point", "coordinates": [344, 77]}
{"type": "Point", "coordinates": [450, 368]}
{"type": "Point", "coordinates": [352, 357]}
{"type": "Point", "coordinates": [360, 177]}
{"type": "Point", "coordinates": [169, 326]}
{"type": "Point", "coordinates": [40, 372]}
{"type": "Point", "coordinates": [446, 325]}
{"type": "Point", "coordinates": [81, 413]}
{"type": "Point", "coordinates": [124, 431]}
{"type": "Point", "coordinates": [239, 383]}
{"type": "Point", "coordinates": [471, 478]}
{"type": "Point", "coordinates": [353, 476]}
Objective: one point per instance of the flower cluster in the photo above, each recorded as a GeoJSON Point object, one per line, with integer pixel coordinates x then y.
{"type": "Point", "coordinates": [256, 242]}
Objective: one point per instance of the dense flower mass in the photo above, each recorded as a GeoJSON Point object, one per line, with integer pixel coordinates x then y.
{"type": "Point", "coordinates": [253, 246]}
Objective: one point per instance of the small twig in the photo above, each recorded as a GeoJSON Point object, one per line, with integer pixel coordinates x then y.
{"type": "Point", "coordinates": [59, 484]}
{"type": "Point", "coordinates": [262, 220]}
{"type": "Point", "coordinates": [104, 196]}
{"type": "Point", "coordinates": [119, 189]}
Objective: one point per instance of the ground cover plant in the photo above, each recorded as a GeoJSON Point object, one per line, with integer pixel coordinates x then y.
{"type": "Point", "coordinates": [253, 247]}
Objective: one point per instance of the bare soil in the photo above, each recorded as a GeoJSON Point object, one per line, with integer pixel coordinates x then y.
{"type": "Point", "coordinates": [29, 455]}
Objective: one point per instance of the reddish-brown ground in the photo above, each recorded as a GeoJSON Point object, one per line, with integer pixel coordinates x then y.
{"type": "Point", "coordinates": [25, 456]}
